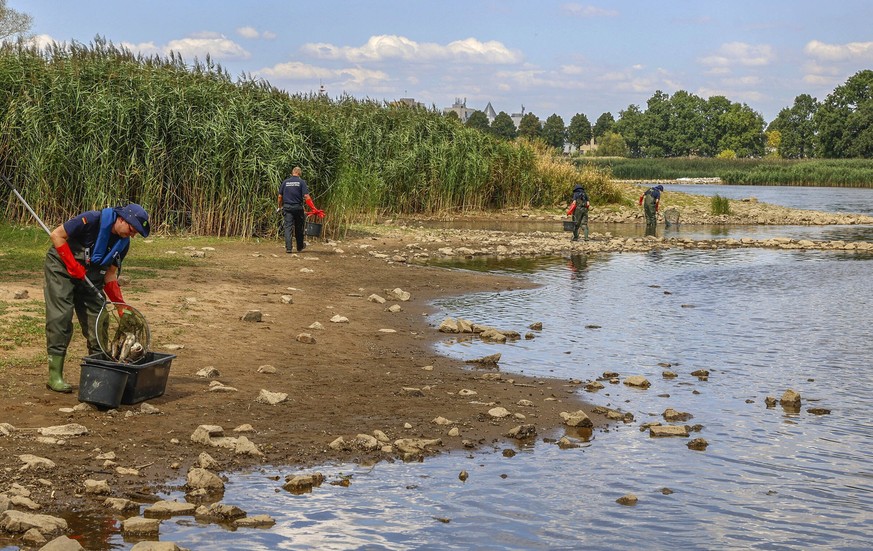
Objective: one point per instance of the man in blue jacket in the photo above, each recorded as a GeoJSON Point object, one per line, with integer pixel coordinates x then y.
{"type": "Point", "coordinates": [92, 244]}
{"type": "Point", "coordinates": [293, 194]}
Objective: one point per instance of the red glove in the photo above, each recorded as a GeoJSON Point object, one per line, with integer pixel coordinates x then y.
{"type": "Point", "coordinates": [76, 270]}
{"type": "Point", "coordinates": [572, 208]}
{"type": "Point", "coordinates": [641, 198]}
{"type": "Point", "coordinates": [113, 291]}
{"type": "Point", "coordinates": [310, 204]}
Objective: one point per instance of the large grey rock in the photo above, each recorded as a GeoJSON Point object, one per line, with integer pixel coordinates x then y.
{"type": "Point", "coordinates": [18, 522]}
{"type": "Point", "coordinates": [141, 526]}
{"type": "Point", "coordinates": [71, 429]}
{"type": "Point", "coordinates": [202, 479]}
{"type": "Point", "coordinates": [164, 509]}
{"type": "Point", "coordinates": [62, 543]}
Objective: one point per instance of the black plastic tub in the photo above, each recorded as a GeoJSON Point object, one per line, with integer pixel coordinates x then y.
{"type": "Point", "coordinates": [102, 386]}
{"type": "Point", "coordinates": [146, 378]}
{"type": "Point", "coordinates": [569, 225]}
{"type": "Point", "coordinates": [312, 228]}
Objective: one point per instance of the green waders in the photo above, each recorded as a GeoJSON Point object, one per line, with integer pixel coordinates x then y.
{"type": "Point", "coordinates": [63, 296]}
{"type": "Point", "coordinates": [580, 218]}
{"type": "Point", "coordinates": [649, 209]}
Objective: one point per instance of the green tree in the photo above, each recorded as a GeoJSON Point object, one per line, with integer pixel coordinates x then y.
{"type": "Point", "coordinates": [845, 119]}
{"type": "Point", "coordinates": [656, 139]}
{"type": "Point", "coordinates": [579, 131]}
{"type": "Point", "coordinates": [612, 145]}
{"type": "Point", "coordinates": [685, 135]}
{"type": "Point", "coordinates": [744, 131]}
{"type": "Point", "coordinates": [503, 127]}
{"type": "Point", "coordinates": [530, 126]}
{"type": "Point", "coordinates": [602, 125]}
{"type": "Point", "coordinates": [714, 110]}
{"type": "Point", "coordinates": [479, 121]}
{"type": "Point", "coordinates": [630, 126]}
{"type": "Point", "coordinates": [796, 125]}
{"type": "Point", "coordinates": [13, 23]}
{"type": "Point", "coordinates": [453, 115]}
{"type": "Point", "coordinates": [554, 132]}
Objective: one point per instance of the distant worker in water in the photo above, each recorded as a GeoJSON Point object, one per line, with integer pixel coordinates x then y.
{"type": "Point", "coordinates": [651, 200]}
{"type": "Point", "coordinates": [579, 210]}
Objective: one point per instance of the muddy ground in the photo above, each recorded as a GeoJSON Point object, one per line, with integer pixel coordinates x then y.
{"type": "Point", "coordinates": [350, 381]}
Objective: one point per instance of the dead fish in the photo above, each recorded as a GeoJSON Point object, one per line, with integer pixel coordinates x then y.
{"type": "Point", "coordinates": [129, 339]}
{"type": "Point", "coordinates": [136, 352]}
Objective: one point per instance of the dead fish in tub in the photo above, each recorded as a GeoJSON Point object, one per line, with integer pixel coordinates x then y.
{"type": "Point", "coordinates": [127, 349]}
{"type": "Point", "coordinates": [129, 339]}
{"type": "Point", "coordinates": [136, 352]}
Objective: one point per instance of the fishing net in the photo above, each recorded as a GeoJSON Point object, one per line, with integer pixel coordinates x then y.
{"type": "Point", "coordinates": [671, 217]}
{"type": "Point", "coordinates": [122, 333]}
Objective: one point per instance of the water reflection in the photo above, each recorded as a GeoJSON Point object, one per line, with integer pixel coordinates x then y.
{"type": "Point", "coordinates": [760, 321]}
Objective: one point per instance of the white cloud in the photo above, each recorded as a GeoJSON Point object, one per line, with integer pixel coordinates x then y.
{"type": "Point", "coordinates": [572, 70]}
{"type": "Point", "coordinates": [215, 45]}
{"type": "Point", "coordinates": [742, 81]}
{"type": "Point", "coordinates": [253, 33]}
{"type": "Point", "coordinates": [248, 32]}
{"type": "Point", "coordinates": [578, 10]}
{"type": "Point", "coordinates": [349, 78]}
{"type": "Point", "coordinates": [42, 40]}
{"type": "Point", "coordinates": [818, 80]}
{"type": "Point", "coordinates": [740, 53]}
{"type": "Point", "coordinates": [860, 51]}
{"type": "Point", "coordinates": [145, 48]}
{"type": "Point", "coordinates": [389, 47]}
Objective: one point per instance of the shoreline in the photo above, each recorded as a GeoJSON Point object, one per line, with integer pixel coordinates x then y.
{"type": "Point", "coordinates": [378, 371]}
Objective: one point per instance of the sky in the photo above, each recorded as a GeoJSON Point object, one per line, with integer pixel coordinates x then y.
{"type": "Point", "coordinates": [546, 57]}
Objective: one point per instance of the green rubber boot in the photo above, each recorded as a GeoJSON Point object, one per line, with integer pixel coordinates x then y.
{"type": "Point", "coordinates": [586, 233]}
{"type": "Point", "coordinates": [56, 375]}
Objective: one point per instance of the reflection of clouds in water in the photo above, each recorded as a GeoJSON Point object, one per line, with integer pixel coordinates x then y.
{"type": "Point", "coordinates": [762, 321]}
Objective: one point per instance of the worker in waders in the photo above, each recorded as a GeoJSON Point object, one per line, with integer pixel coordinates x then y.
{"type": "Point", "coordinates": [650, 200]}
{"type": "Point", "coordinates": [92, 244]}
{"type": "Point", "coordinates": [579, 209]}
{"type": "Point", "coordinates": [293, 194]}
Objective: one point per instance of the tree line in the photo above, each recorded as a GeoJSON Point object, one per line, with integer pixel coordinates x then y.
{"type": "Point", "coordinates": [684, 125]}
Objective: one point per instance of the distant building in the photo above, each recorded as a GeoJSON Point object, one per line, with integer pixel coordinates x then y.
{"type": "Point", "coordinates": [489, 112]}
{"type": "Point", "coordinates": [460, 107]}
{"type": "Point", "coordinates": [407, 102]}
{"type": "Point", "coordinates": [516, 117]}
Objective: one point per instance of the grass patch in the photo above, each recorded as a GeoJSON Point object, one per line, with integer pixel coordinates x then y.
{"type": "Point", "coordinates": [720, 205]}
{"type": "Point", "coordinates": [24, 330]}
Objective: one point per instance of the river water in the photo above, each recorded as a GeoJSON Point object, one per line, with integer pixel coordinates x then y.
{"type": "Point", "coordinates": [761, 321]}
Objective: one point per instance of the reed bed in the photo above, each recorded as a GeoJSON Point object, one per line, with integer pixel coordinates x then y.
{"type": "Point", "coordinates": [773, 172]}
{"type": "Point", "coordinates": [85, 126]}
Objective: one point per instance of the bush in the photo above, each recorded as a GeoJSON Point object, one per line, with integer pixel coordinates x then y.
{"type": "Point", "coordinates": [720, 205]}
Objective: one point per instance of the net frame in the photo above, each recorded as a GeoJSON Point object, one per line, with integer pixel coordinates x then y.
{"type": "Point", "coordinates": [119, 320]}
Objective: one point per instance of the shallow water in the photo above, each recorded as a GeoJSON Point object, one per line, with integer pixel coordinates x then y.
{"type": "Point", "coordinates": [760, 321]}
{"type": "Point", "coordinates": [827, 199]}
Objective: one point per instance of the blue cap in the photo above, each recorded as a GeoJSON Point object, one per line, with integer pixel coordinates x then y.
{"type": "Point", "coordinates": [659, 187]}
{"type": "Point", "coordinates": [136, 216]}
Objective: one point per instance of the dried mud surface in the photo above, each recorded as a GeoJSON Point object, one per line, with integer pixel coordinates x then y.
{"type": "Point", "coordinates": [350, 381]}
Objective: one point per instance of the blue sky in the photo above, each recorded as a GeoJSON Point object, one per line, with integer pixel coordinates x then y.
{"type": "Point", "coordinates": [550, 57]}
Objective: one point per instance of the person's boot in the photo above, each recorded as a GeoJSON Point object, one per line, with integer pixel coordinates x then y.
{"type": "Point", "coordinates": [56, 375]}
{"type": "Point", "coordinates": [575, 235]}
{"type": "Point", "coordinates": [586, 233]}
